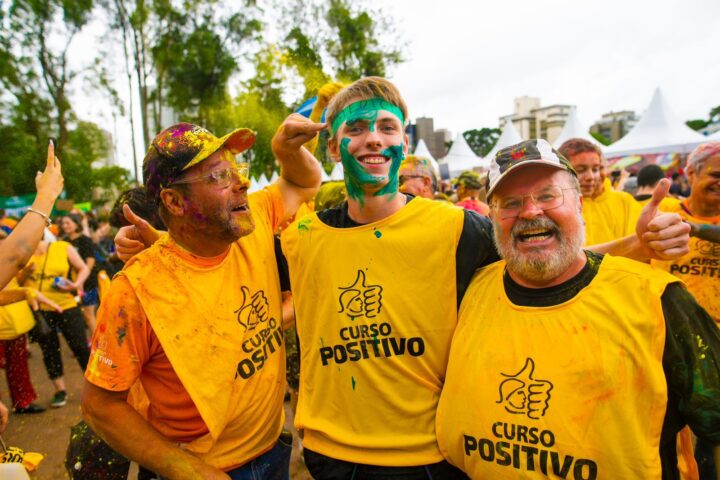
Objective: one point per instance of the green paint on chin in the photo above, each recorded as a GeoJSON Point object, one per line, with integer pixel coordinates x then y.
{"type": "Point", "coordinates": [357, 176]}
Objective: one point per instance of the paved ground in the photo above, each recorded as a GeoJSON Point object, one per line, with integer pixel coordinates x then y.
{"type": "Point", "coordinates": [49, 432]}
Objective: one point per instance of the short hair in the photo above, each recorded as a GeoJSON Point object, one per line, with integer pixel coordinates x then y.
{"type": "Point", "coordinates": [140, 202]}
{"type": "Point", "coordinates": [699, 156]}
{"type": "Point", "coordinates": [575, 146]}
{"type": "Point", "coordinates": [649, 176]}
{"type": "Point", "coordinates": [421, 165]}
{"type": "Point", "coordinates": [365, 89]}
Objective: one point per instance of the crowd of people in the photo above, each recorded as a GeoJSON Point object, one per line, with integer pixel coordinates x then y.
{"type": "Point", "coordinates": [553, 326]}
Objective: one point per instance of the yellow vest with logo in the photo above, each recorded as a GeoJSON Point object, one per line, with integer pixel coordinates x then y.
{"type": "Point", "coordinates": [700, 268]}
{"type": "Point", "coordinates": [56, 266]}
{"type": "Point", "coordinates": [575, 390]}
{"type": "Point", "coordinates": [375, 309]}
{"type": "Point", "coordinates": [220, 327]}
{"type": "Point", "coordinates": [609, 216]}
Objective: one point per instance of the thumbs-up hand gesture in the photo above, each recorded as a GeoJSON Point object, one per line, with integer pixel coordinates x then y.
{"type": "Point", "coordinates": [663, 236]}
{"type": "Point", "coordinates": [134, 238]}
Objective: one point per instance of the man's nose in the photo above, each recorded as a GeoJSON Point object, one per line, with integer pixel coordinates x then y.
{"type": "Point", "coordinates": [529, 210]}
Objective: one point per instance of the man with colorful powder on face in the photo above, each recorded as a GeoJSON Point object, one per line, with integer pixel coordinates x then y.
{"type": "Point", "coordinates": [376, 285]}
{"type": "Point", "coordinates": [566, 363]}
{"type": "Point", "coordinates": [196, 317]}
{"type": "Point", "coordinates": [609, 214]}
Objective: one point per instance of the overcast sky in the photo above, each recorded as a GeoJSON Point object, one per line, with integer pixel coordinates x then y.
{"type": "Point", "coordinates": [467, 60]}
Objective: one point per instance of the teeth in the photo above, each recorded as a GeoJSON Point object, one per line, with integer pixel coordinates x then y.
{"type": "Point", "coordinates": [374, 160]}
{"type": "Point", "coordinates": [535, 238]}
{"type": "Point", "coordinates": [535, 231]}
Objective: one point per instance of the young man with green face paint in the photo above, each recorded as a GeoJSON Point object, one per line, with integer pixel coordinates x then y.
{"type": "Point", "coordinates": [376, 285]}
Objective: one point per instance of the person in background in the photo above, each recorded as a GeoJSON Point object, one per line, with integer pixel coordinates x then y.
{"type": "Point", "coordinates": [72, 229]}
{"type": "Point", "coordinates": [417, 177]}
{"type": "Point", "coordinates": [21, 243]}
{"type": "Point", "coordinates": [13, 347]}
{"type": "Point", "coordinates": [609, 214]}
{"type": "Point", "coordinates": [48, 272]}
{"type": "Point", "coordinates": [469, 187]}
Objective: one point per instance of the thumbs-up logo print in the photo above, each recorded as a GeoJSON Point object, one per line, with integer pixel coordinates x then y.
{"type": "Point", "coordinates": [523, 394]}
{"type": "Point", "coordinates": [360, 299]}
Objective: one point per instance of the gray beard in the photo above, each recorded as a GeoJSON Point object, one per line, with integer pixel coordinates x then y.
{"type": "Point", "coordinates": [538, 269]}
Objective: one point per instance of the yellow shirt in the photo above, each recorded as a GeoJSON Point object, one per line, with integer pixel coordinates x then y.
{"type": "Point", "coordinates": [609, 216]}
{"type": "Point", "coordinates": [57, 266]}
{"type": "Point", "coordinates": [15, 315]}
{"type": "Point", "coordinates": [375, 310]}
{"type": "Point", "coordinates": [218, 322]}
{"type": "Point", "coordinates": [700, 268]}
{"type": "Point", "coordinates": [575, 390]}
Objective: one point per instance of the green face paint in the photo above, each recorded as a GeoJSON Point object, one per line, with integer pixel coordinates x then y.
{"type": "Point", "coordinates": [356, 175]}
{"type": "Point", "coordinates": [365, 110]}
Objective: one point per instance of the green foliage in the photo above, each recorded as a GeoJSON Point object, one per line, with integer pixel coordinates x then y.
{"type": "Point", "coordinates": [482, 140]}
{"type": "Point", "coordinates": [250, 111]}
{"type": "Point", "coordinates": [697, 124]}
{"type": "Point", "coordinates": [111, 181]}
{"type": "Point", "coordinates": [87, 143]}
{"type": "Point", "coordinates": [714, 116]}
{"type": "Point", "coordinates": [601, 138]}
{"type": "Point", "coordinates": [353, 43]}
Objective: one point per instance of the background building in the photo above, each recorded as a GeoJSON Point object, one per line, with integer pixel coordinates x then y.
{"type": "Point", "coordinates": [614, 125]}
{"type": "Point", "coordinates": [533, 121]}
{"type": "Point", "coordinates": [424, 129]}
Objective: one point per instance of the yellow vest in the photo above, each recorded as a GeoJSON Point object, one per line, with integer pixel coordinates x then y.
{"type": "Point", "coordinates": [220, 327]}
{"type": "Point", "coordinates": [57, 266]}
{"type": "Point", "coordinates": [609, 216]}
{"type": "Point", "coordinates": [575, 390]}
{"type": "Point", "coordinates": [15, 317]}
{"type": "Point", "coordinates": [699, 269]}
{"type": "Point", "coordinates": [375, 308]}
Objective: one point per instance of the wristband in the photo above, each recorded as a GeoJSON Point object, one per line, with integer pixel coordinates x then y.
{"type": "Point", "coordinates": [44, 215]}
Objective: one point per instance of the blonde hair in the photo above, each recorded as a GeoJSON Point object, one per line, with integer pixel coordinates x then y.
{"type": "Point", "coordinates": [365, 89]}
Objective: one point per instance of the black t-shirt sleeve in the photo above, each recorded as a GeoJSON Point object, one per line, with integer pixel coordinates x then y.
{"type": "Point", "coordinates": [691, 361]}
{"type": "Point", "coordinates": [475, 249]}
{"type": "Point", "coordinates": [85, 247]}
{"type": "Point", "coordinates": [282, 266]}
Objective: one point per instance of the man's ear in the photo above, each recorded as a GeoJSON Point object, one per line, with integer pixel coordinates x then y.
{"type": "Point", "coordinates": [334, 149]}
{"type": "Point", "coordinates": [406, 144]}
{"type": "Point", "coordinates": [173, 201]}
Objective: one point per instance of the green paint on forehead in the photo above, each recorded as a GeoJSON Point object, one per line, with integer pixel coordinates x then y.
{"type": "Point", "coordinates": [365, 110]}
{"type": "Point", "coordinates": [357, 176]}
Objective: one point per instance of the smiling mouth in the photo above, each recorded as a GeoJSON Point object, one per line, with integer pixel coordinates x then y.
{"type": "Point", "coordinates": [534, 235]}
{"type": "Point", "coordinates": [373, 159]}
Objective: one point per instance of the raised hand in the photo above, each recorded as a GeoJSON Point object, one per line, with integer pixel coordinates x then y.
{"type": "Point", "coordinates": [134, 238]}
{"type": "Point", "coordinates": [662, 236]}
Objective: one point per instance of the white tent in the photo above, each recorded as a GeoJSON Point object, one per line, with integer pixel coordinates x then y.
{"type": "Point", "coordinates": [574, 128]}
{"type": "Point", "coordinates": [715, 137]}
{"type": "Point", "coordinates": [337, 173]}
{"type": "Point", "coordinates": [461, 157]}
{"type": "Point", "coordinates": [259, 184]}
{"type": "Point", "coordinates": [323, 176]}
{"type": "Point", "coordinates": [508, 137]}
{"type": "Point", "coordinates": [658, 131]}
{"type": "Point", "coordinates": [274, 177]}
{"type": "Point", "coordinates": [422, 151]}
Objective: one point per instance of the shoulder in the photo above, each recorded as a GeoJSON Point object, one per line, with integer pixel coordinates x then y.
{"type": "Point", "coordinates": [641, 272]}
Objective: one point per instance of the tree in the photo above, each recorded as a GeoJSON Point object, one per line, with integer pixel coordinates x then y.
{"type": "Point", "coordinates": [36, 55]}
{"type": "Point", "coordinates": [601, 138]}
{"type": "Point", "coordinates": [697, 124]}
{"type": "Point", "coordinates": [482, 140]}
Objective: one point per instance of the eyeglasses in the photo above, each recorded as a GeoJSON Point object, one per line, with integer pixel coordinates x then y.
{"type": "Point", "coordinates": [546, 199]}
{"type": "Point", "coordinates": [222, 178]}
{"type": "Point", "coordinates": [404, 178]}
